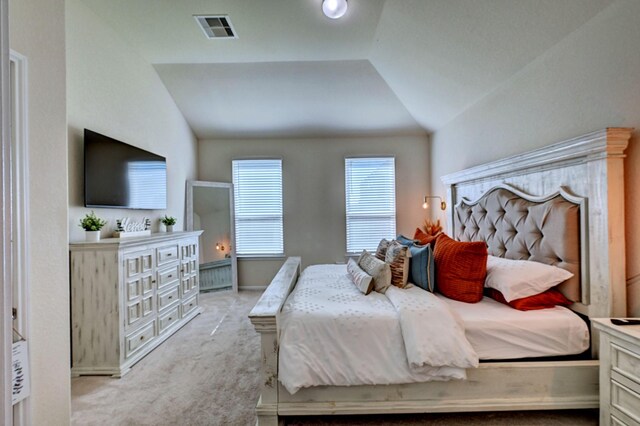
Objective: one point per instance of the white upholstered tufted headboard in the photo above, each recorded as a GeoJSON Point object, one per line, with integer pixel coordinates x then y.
{"type": "Point", "coordinates": [516, 225]}
{"type": "Point", "coordinates": [563, 204]}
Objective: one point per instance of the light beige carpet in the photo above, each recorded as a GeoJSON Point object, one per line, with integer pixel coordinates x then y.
{"type": "Point", "coordinates": [208, 374]}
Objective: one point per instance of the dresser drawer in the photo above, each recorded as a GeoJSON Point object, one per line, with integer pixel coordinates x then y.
{"type": "Point", "coordinates": [189, 285]}
{"type": "Point", "coordinates": [166, 320]}
{"type": "Point", "coordinates": [139, 339]}
{"type": "Point", "coordinates": [140, 309]}
{"type": "Point", "coordinates": [625, 400]}
{"type": "Point", "coordinates": [167, 254]}
{"type": "Point", "coordinates": [189, 305]}
{"type": "Point", "coordinates": [626, 362]}
{"type": "Point", "coordinates": [168, 276]}
{"type": "Point", "coordinates": [169, 297]}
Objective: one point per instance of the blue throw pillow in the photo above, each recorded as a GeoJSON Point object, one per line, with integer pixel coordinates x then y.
{"type": "Point", "coordinates": [422, 267]}
{"type": "Point", "coordinates": [406, 241]}
{"type": "Point", "coordinates": [421, 263]}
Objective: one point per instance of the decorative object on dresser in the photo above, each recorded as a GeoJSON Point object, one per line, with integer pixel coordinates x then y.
{"type": "Point", "coordinates": [128, 296]}
{"type": "Point", "coordinates": [126, 228]}
{"type": "Point", "coordinates": [168, 222]}
{"type": "Point", "coordinates": [619, 373]}
{"type": "Point", "coordinates": [92, 225]}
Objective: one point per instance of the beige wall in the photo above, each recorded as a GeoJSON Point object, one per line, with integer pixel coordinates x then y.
{"type": "Point", "coordinates": [313, 190]}
{"type": "Point", "coordinates": [588, 81]}
{"type": "Point", "coordinates": [113, 91]}
{"type": "Point", "coordinates": [37, 32]}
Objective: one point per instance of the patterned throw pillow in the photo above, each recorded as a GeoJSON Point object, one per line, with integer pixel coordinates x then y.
{"type": "Point", "coordinates": [379, 270]}
{"type": "Point", "coordinates": [461, 268]}
{"type": "Point", "coordinates": [381, 251]}
{"type": "Point", "coordinates": [398, 259]}
{"type": "Point", "coordinates": [360, 278]}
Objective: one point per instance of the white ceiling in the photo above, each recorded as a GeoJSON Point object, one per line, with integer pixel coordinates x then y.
{"type": "Point", "coordinates": [388, 66]}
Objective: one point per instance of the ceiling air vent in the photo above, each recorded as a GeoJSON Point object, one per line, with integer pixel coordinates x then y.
{"type": "Point", "coordinates": [216, 26]}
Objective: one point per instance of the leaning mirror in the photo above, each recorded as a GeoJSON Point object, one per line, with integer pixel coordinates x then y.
{"type": "Point", "coordinates": [210, 209]}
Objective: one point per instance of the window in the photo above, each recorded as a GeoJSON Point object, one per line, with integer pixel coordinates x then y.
{"type": "Point", "coordinates": [371, 201]}
{"type": "Point", "coordinates": [257, 188]}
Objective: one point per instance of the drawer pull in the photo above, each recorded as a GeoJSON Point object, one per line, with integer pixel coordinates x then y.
{"type": "Point", "coordinates": [170, 318]}
{"type": "Point", "coordinates": [170, 297]}
{"type": "Point", "coordinates": [153, 281]}
{"type": "Point", "coordinates": [169, 276]}
{"type": "Point", "coordinates": [170, 254]}
{"type": "Point", "coordinates": [190, 305]}
{"type": "Point", "coordinates": [141, 337]}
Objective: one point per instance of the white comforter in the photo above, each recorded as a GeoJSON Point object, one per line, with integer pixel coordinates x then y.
{"type": "Point", "coordinates": [331, 334]}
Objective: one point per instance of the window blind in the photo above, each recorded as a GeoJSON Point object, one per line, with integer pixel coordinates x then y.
{"type": "Point", "coordinates": [257, 189]}
{"type": "Point", "coordinates": [370, 201]}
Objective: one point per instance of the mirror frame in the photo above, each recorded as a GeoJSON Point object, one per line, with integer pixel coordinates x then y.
{"type": "Point", "coordinates": [232, 234]}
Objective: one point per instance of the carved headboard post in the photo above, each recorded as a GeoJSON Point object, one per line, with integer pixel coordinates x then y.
{"type": "Point", "coordinates": [590, 167]}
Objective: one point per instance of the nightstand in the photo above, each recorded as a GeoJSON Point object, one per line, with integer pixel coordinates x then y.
{"type": "Point", "coordinates": [619, 373]}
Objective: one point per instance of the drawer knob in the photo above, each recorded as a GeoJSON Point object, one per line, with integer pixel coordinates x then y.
{"type": "Point", "coordinates": [153, 281]}
{"type": "Point", "coordinates": [169, 276]}
{"type": "Point", "coordinates": [190, 304]}
{"type": "Point", "coordinates": [141, 337]}
{"type": "Point", "coordinates": [170, 254]}
{"type": "Point", "coordinates": [170, 318]}
{"type": "Point", "coordinates": [170, 297]}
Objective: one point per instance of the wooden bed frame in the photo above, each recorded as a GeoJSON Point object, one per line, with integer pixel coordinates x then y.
{"type": "Point", "coordinates": [589, 167]}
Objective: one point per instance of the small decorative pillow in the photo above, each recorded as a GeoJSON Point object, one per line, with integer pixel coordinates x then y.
{"type": "Point", "coordinates": [548, 299]}
{"type": "Point", "coordinates": [423, 238]}
{"type": "Point", "coordinates": [379, 271]}
{"type": "Point", "coordinates": [422, 267]}
{"type": "Point", "coordinates": [406, 241]}
{"type": "Point", "coordinates": [381, 251]}
{"type": "Point", "coordinates": [360, 278]}
{"type": "Point", "coordinates": [516, 279]}
{"type": "Point", "coordinates": [460, 268]}
{"type": "Point", "coordinates": [398, 259]}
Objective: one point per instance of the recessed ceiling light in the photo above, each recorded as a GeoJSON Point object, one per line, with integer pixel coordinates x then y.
{"type": "Point", "coordinates": [334, 9]}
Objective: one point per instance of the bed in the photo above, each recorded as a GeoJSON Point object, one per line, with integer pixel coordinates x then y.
{"type": "Point", "coordinates": [584, 172]}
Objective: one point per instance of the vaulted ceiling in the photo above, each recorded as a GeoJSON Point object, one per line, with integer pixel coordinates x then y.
{"type": "Point", "coordinates": [388, 66]}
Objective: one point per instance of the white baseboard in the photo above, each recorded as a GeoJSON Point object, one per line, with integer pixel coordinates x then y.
{"type": "Point", "coordinates": [252, 288]}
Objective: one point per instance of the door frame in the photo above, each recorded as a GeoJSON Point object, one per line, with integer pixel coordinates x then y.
{"type": "Point", "coordinates": [20, 205]}
{"type": "Point", "coordinates": [6, 264]}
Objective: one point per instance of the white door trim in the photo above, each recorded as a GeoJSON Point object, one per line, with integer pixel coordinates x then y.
{"type": "Point", "coordinates": [6, 412]}
{"type": "Point", "coordinates": [20, 175]}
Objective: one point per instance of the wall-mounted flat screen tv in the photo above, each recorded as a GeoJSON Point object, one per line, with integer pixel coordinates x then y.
{"type": "Point", "coordinates": [122, 176]}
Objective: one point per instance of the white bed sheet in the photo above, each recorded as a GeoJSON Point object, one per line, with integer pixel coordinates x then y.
{"type": "Point", "coordinates": [497, 331]}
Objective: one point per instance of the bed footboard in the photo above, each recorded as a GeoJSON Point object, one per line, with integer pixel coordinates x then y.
{"type": "Point", "coordinates": [263, 316]}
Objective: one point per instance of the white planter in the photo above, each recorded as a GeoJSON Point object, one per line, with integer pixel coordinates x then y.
{"type": "Point", "coordinates": [169, 228]}
{"type": "Point", "coordinates": [92, 236]}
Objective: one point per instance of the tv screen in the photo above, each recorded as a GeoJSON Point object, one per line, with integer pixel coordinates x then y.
{"type": "Point", "coordinates": [122, 176]}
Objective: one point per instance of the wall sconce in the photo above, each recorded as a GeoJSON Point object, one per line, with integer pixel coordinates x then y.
{"type": "Point", "coordinates": [219, 247]}
{"type": "Point", "coordinates": [425, 205]}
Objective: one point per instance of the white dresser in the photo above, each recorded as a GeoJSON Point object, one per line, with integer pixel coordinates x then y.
{"type": "Point", "coordinates": [619, 373]}
{"type": "Point", "coordinates": [129, 295]}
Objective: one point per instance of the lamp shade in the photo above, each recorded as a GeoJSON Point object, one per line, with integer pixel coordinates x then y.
{"type": "Point", "coordinates": [334, 9]}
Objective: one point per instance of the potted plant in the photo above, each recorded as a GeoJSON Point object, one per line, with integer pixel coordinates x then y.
{"type": "Point", "coordinates": [92, 225]}
{"type": "Point", "coordinates": [168, 222]}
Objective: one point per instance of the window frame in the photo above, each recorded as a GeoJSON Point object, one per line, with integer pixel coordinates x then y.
{"type": "Point", "coordinates": [238, 215]}
{"type": "Point", "coordinates": [354, 251]}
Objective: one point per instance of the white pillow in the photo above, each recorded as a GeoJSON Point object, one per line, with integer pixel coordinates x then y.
{"type": "Point", "coordinates": [360, 278]}
{"type": "Point", "coordinates": [516, 279]}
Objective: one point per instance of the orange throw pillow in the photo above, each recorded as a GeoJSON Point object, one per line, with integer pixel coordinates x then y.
{"type": "Point", "coordinates": [461, 268]}
{"type": "Point", "coordinates": [544, 300]}
{"type": "Point", "coordinates": [423, 237]}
